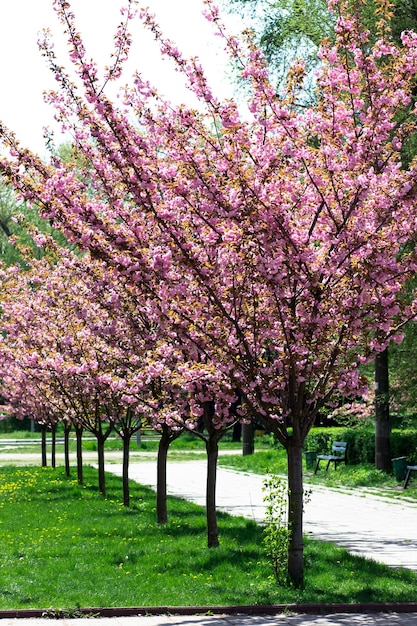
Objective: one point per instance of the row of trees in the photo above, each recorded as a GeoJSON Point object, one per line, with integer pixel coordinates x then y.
{"type": "Point", "coordinates": [249, 260]}
{"type": "Point", "coordinates": [67, 358]}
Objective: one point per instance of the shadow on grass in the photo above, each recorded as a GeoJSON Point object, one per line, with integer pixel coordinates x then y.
{"type": "Point", "coordinates": [360, 580]}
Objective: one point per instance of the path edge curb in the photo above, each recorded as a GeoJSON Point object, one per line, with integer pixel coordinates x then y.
{"type": "Point", "coordinates": [268, 609]}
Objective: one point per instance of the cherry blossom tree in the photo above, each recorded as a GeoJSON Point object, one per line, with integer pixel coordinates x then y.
{"type": "Point", "coordinates": [61, 346]}
{"type": "Point", "coordinates": [30, 383]}
{"type": "Point", "coordinates": [28, 398]}
{"type": "Point", "coordinates": [270, 240]}
{"type": "Point", "coordinates": [77, 333]}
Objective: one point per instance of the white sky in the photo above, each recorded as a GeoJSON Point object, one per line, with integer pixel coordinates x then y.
{"type": "Point", "coordinates": [23, 72]}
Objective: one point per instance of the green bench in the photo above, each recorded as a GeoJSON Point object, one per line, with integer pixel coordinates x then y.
{"type": "Point", "coordinates": [410, 468]}
{"type": "Point", "coordinates": [338, 455]}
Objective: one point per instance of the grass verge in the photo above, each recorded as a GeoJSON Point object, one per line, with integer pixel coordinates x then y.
{"type": "Point", "coordinates": [64, 546]}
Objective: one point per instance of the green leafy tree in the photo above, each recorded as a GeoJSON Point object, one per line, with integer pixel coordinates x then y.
{"type": "Point", "coordinates": [295, 28]}
{"type": "Point", "coordinates": [287, 29]}
{"type": "Point", "coordinates": [19, 230]}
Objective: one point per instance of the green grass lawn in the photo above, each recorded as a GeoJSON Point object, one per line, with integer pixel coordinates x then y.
{"type": "Point", "coordinates": [63, 547]}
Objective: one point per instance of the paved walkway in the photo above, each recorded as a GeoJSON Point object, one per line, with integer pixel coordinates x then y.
{"type": "Point", "coordinates": [366, 525]}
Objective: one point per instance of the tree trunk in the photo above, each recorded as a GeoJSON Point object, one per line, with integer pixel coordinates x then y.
{"type": "Point", "coordinates": [247, 439]}
{"type": "Point", "coordinates": [126, 449]}
{"type": "Point", "coordinates": [168, 435]}
{"type": "Point", "coordinates": [212, 447]}
{"type": "Point", "coordinates": [139, 436]}
{"type": "Point", "coordinates": [237, 432]}
{"type": "Point", "coordinates": [295, 513]}
{"type": "Point", "coordinates": [53, 446]}
{"type": "Point", "coordinates": [79, 436]}
{"type": "Point", "coordinates": [382, 417]}
{"type": "Point", "coordinates": [43, 446]}
{"type": "Point", "coordinates": [67, 429]}
{"type": "Point", "coordinates": [161, 489]}
{"type": "Point", "coordinates": [100, 458]}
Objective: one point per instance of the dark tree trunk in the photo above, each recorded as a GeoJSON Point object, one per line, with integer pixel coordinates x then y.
{"type": "Point", "coordinates": [295, 512]}
{"type": "Point", "coordinates": [43, 446]}
{"type": "Point", "coordinates": [53, 446]}
{"type": "Point", "coordinates": [382, 416]}
{"type": "Point", "coordinates": [212, 447]}
{"type": "Point", "coordinates": [161, 488]}
{"type": "Point", "coordinates": [248, 446]}
{"type": "Point", "coordinates": [67, 430]}
{"type": "Point", "coordinates": [237, 432]}
{"type": "Point", "coordinates": [168, 435]}
{"type": "Point", "coordinates": [126, 449]}
{"type": "Point", "coordinates": [100, 459]}
{"type": "Point", "coordinates": [79, 436]}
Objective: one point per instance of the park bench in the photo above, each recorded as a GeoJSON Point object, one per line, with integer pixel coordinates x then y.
{"type": "Point", "coordinates": [410, 468]}
{"type": "Point", "coordinates": [146, 433]}
{"type": "Point", "coordinates": [338, 455]}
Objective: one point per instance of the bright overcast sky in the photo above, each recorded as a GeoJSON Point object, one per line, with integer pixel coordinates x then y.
{"type": "Point", "coordinates": [24, 75]}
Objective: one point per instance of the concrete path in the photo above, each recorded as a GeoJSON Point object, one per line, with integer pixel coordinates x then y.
{"type": "Point", "coordinates": [366, 525]}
